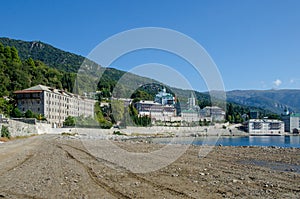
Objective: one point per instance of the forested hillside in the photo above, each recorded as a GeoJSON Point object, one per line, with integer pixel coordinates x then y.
{"type": "Point", "coordinates": [48, 54]}
{"type": "Point", "coordinates": [16, 74]}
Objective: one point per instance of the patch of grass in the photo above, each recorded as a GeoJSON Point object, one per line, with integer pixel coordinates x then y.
{"type": "Point", "coordinates": [118, 133]}
{"type": "Point", "coordinates": [68, 134]}
{"type": "Point", "coordinates": [5, 139]}
{"type": "Point", "coordinates": [24, 136]}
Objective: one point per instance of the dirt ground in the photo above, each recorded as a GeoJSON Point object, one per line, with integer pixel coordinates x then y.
{"type": "Point", "coordinates": [54, 166]}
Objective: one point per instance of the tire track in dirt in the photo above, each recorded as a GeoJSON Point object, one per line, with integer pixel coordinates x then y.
{"type": "Point", "coordinates": [18, 150]}
{"type": "Point", "coordinates": [19, 164]}
{"type": "Point", "coordinates": [133, 175]}
{"type": "Point", "coordinates": [19, 195]}
{"type": "Point", "coordinates": [94, 176]}
{"type": "Point", "coordinates": [28, 157]}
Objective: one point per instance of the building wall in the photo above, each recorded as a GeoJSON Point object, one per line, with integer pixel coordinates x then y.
{"type": "Point", "coordinates": [291, 122]}
{"type": "Point", "coordinates": [32, 101]}
{"type": "Point", "coordinates": [294, 123]}
{"type": "Point", "coordinates": [287, 124]}
{"type": "Point", "coordinates": [155, 110]}
{"type": "Point", "coordinates": [190, 116]}
{"type": "Point", "coordinates": [55, 105]}
{"type": "Point", "coordinates": [215, 113]}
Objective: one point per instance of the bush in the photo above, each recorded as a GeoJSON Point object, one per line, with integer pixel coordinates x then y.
{"type": "Point", "coordinates": [16, 113]}
{"type": "Point", "coordinates": [69, 121]}
{"type": "Point", "coordinates": [5, 132]}
{"type": "Point", "coordinates": [118, 133]}
{"type": "Point", "coordinates": [29, 114]}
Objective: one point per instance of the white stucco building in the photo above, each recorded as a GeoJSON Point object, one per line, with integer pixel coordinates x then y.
{"type": "Point", "coordinates": [265, 127]}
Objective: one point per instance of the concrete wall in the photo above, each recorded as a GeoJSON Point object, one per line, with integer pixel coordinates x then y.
{"type": "Point", "coordinates": [17, 128]}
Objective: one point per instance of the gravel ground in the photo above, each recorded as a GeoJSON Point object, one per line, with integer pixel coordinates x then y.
{"type": "Point", "coordinates": [54, 166]}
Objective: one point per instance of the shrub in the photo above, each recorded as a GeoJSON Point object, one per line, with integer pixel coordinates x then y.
{"type": "Point", "coordinates": [69, 121]}
{"type": "Point", "coordinates": [118, 133]}
{"type": "Point", "coordinates": [29, 114]}
{"type": "Point", "coordinates": [5, 132]}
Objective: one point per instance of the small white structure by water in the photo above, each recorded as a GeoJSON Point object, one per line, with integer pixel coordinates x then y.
{"type": "Point", "coordinates": [265, 127]}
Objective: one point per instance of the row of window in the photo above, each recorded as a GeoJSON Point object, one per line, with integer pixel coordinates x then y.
{"type": "Point", "coordinates": [57, 96]}
{"type": "Point", "coordinates": [32, 102]}
{"type": "Point", "coordinates": [38, 110]}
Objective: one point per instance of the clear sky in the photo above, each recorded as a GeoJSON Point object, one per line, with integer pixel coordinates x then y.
{"type": "Point", "coordinates": [254, 43]}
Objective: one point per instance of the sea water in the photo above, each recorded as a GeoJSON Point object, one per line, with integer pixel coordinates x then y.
{"type": "Point", "coordinates": [277, 141]}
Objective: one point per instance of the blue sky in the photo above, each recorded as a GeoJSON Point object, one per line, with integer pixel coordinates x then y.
{"type": "Point", "coordinates": [255, 44]}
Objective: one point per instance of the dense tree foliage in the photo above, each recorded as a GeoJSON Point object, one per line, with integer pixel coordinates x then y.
{"type": "Point", "coordinates": [138, 120]}
{"type": "Point", "coordinates": [103, 116]}
{"type": "Point", "coordinates": [16, 74]}
{"type": "Point", "coordinates": [70, 121]}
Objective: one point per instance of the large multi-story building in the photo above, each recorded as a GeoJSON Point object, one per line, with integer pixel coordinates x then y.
{"type": "Point", "coordinates": [213, 112]}
{"type": "Point", "coordinates": [54, 104]}
{"type": "Point", "coordinates": [265, 127]}
{"type": "Point", "coordinates": [190, 115]}
{"type": "Point", "coordinates": [291, 122]}
{"type": "Point", "coordinates": [155, 110]}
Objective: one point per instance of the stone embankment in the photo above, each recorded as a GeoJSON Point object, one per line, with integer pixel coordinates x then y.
{"type": "Point", "coordinates": [18, 128]}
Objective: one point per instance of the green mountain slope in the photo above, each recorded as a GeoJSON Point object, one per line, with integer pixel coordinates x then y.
{"type": "Point", "coordinates": [16, 74]}
{"type": "Point", "coordinates": [46, 53]}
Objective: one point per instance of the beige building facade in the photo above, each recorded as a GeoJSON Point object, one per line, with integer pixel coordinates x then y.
{"type": "Point", "coordinates": [54, 104]}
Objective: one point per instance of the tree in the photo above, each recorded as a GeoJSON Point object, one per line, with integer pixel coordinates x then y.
{"type": "Point", "coordinates": [14, 55]}
{"type": "Point", "coordinates": [29, 114]}
{"type": "Point", "coordinates": [5, 106]}
{"type": "Point", "coordinates": [117, 109]}
{"type": "Point", "coordinates": [69, 121]}
{"type": "Point", "coordinates": [16, 113]}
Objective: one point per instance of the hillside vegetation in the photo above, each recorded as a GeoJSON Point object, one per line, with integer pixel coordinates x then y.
{"type": "Point", "coordinates": [48, 54]}
{"type": "Point", "coordinates": [17, 74]}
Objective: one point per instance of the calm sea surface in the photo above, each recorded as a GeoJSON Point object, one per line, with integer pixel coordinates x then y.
{"type": "Point", "coordinates": [279, 141]}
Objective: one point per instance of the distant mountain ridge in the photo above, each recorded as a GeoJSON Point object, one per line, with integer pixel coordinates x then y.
{"type": "Point", "coordinates": [276, 101]}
